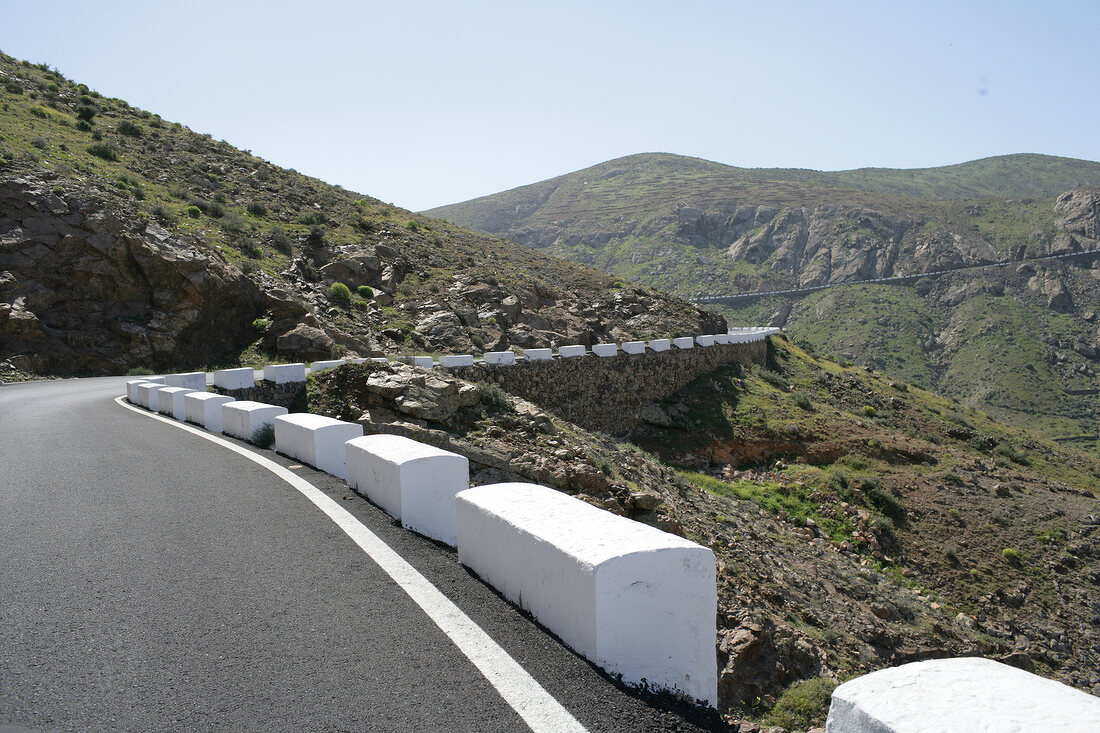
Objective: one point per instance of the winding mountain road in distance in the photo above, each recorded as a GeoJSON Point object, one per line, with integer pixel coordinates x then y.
{"type": "Point", "coordinates": [152, 580]}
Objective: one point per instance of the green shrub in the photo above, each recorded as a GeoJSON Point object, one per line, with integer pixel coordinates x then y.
{"type": "Point", "coordinates": [1013, 556]}
{"type": "Point", "coordinates": [83, 125]}
{"type": "Point", "coordinates": [884, 501]}
{"type": "Point", "coordinates": [163, 215]}
{"type": "Point", "coordinates": [804, 402]}
{"type": "Point", "coordinates": [412, 225]}
{"type": "Point", "coordinates": [494, 396]}
{"type": "Point", "coordinates": [139, 372]}
{"type": "Point", "coordinates": [339, 293]}
{"type": "Point", "coordinates": [279, 240]}
{"type": "Point", "coordinates": [312, 218]}
{"type": "Point", "coordinates": [802, 705]}
{"type": "Point", "coordinates": [1013, 455]}
{"type": "Point", "coordinates": [264, 436]}
{"type": "Point", "coordinates": [86, 112]}
{"type": "Point", "coordinates": [104, 151]}
{"type": "Point", "coordinates": [12, 87]}
{"type": "Point", "coordinates": [365, 291]}
{"type": "Point", "coordinates": [261, 324]}
{"type": "Point", "coordinates": [257, 209]}
{"type": "Point", "coordinates": [129, 129]}
{"type": "Point", "coordinates": [193, 211]}
{"type": "Point", "coordinates": [868, 411]}
{"type": "Point", "coordinates": [40, 113]}
{"type": "Point", "coordinates": [40, 142]}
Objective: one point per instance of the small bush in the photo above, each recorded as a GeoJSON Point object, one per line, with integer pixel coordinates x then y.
{"type": "Point", "coordinates": [494, 396]}
{"type": "Point", "coordinates": [804, 402]}
{"type": "Point", "coordinates": [1013, 455]}
{"type": "Point", "coordinates": [163, 215]}
{"type": "Point", "coordinates": [1013, 556]}
{"type": "Point", "coordinates": [193, 211]}
{"type": "Point", "coordinates": [884, 501]}
{"type": "Point", "coordinates": [129, 129]}
{"type": "Point", "coordinates": [412, 225]}
{"type": "Point", "coordinates": [868, 411]}
{"type": "Point", "coordinates": [802, 705]}
{"type": "Point", "coordinates": [216, 210]}
{"type": "Point", "coordinates": [264, 436]}
{"type": "Point", "coordinates": [316, 236]}
{"type": "Point", "coordinates": [40, 142]}
{"type": "Point", "coordinates": [339, 293]}
{"type": "Point", "coordinates": [12, 87]}
{"type": "Point", "coordinates": [280, 241]}
{"type": "Point", "coordinates": [58, 190]}
{"type": "Point", "coordinates": [104, 151]}
{"type": "Point", "coordinates": [86, 112]}
{"type": "Point", "coordinates": [139, 372]}
{"type": "Point", "coordinates": [365, 291]}
{"type": "Point", "coordinates": [257, 209]}
{"type": "Point", "coordinates": [40, 113]}
{"type": "Point", "coordinates": [83, 125]}
{"type": "Point", "coordinates": [312, 218]}
{"type": "Point", "coordinates": [234, 224]}
{"type": "Point", "coordinates": [261, 324]}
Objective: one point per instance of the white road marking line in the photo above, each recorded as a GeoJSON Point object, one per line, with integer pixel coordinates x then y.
{"type": "Point", "coordinates": [537, 707]}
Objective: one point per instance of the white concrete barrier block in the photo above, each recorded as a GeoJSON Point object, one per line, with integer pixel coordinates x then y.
{"type": "Point", "coordinates": [243, 378]}
{"type": "Point", "coordinates": [634, 347]}
{"type": "Point", "coordinates": [500, 357]}
{"type": "Point", "coordinates": [380, 360]}
{"type": "Point", "coordinates": [285, 373]}
{"type": "Point", "coordinates": [568, 352]}
{"type": "Point", "coordinates": [721, 338]}
{"type": "Point", "coordinates": [636, 601]}
{"type": "Point", "coordinates": [424, 361]}
{"type": "Point", "coordinates": [205, 409]}
{"type": "Point", "coordinates": [605, 349]}
{"type": "Point", "coordinates": [195, 381]}
{"type": "Point", "coordinates": [411, 481]}
{"type": "Point", "coordinates": [684, 342]}
{"type": "Point", "coordinates": [316, 440]}
{"type": "Point", "coordinates": [170, 402]}
{"type": "Point", "coordinates": [357, 360]}
{"type": "Point", "coordinates": [705, 340]}
{"type": "Point", "coordinates": [959, 696]}
{"type": "Point", "coordinates": [148, 395]}
{"type": "Point", "coordinates": [660, 344]}
{"type": "Point", "coordinates": [243, 418]}
{"type": "Point", "coordinates": [320, 366]}
{"type": "Point", "coordinates": [539, 354]}
{"type": "Point", "coordinates": [456, 360]}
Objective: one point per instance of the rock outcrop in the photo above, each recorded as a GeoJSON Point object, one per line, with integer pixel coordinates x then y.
{"type": "Point", "coordinates": [86, 286]}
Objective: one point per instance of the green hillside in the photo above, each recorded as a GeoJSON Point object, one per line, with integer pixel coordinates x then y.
{"type": "Point", "coordinates": [694, 227]}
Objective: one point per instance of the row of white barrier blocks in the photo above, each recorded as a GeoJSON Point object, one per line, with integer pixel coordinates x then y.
{"type": "Point", "coordinates": [638, 602]}
{"type": "Point", "coordinates": [963, 695]}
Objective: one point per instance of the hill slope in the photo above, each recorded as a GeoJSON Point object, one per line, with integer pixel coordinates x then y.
{"type": "Point", "coordinates": [1021, 341]}
{"type": "Point", "coordinates": [127, 241]}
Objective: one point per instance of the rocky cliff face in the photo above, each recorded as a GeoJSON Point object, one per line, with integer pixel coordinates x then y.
{"type": "Point", "coordinates": [89, 287]}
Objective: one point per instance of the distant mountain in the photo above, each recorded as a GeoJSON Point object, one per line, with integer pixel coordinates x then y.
{"type": "Point", "coordinates": [1021, 341]}
{"type": "Point", "coordinates": [129, 241]}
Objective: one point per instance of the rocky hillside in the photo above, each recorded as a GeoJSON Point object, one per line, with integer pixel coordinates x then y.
{"type": "Point", "coordinates": [130, 241]}
{"type": "Point", "coordinates": [859, 522]}
{"type": "Point", "coordinates": [1021, 342]}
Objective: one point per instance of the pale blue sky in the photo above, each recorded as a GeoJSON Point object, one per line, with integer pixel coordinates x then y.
{"type": "Point", "coordinates": [428, 103]}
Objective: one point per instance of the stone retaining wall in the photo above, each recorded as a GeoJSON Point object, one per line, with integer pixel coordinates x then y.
{"type": "Point", "coordinates": [608, 393]}
{"type": "Point", "coordinates": [269, 393]}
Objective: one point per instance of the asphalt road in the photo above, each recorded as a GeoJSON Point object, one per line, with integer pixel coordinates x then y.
{"type": "Point", "coordinates": [151, 581]}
